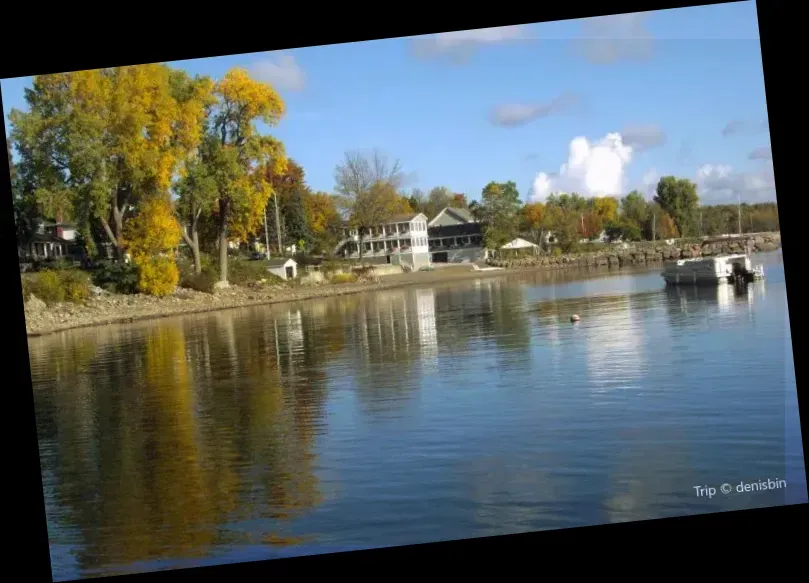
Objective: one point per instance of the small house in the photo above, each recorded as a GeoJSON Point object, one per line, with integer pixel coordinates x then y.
{"type": "Point", "coordinates": [284, 267]}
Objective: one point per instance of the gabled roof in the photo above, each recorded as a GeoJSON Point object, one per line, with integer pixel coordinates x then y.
{"type": "Point", "coordinates": [519, 243]}
{"type": "Point", "coordinates": [462, 215]}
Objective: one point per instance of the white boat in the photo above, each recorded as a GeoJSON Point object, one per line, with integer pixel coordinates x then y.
{"type": "Point", "coordinates": [712, 270]}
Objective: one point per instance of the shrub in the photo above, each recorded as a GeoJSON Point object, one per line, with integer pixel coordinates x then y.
{"type": "Point", "coordinates": [245, 272]}
{"type": "Point", "coordinates": [339, 278]}
{"type": "Point", "coordinates": [157, 276]}
{"type": "Point", "coordinates": [556, 251]}
{"type": "Point", "coordinates": [116, 277]}
{"type": "Point", "coordinates": [53, 286]}
{"type": "Point", "coordinates": [202, 282]}
{"type": "Point", "coordinates": [60, 264]}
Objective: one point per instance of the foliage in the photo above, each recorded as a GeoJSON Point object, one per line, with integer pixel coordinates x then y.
{"type": "Point", "coordinates": [157, 275]}
{"type": "Point", "coordinates": [323, 219]}
{"type": "Point", "coordinates": [95, 142]}
{"type": "Point", "coordinates": [239, 160]}
{"type": "Point", "coordinates": [154, 230]}
{"type": "Point", "coordinates": [340, 278]}
{"type": "Point", "coordinates": [459, 201]}
{"type": "Point", "coordinates": [534, 220]}
{"type": "Point", "coordinates": [116, 277]}
{"type": "Point", "coordinates": [54, 286]}
{"type": "Point", "coordinates": [501, 205]}
{"type": "Point", "coordinates": [678, 198]}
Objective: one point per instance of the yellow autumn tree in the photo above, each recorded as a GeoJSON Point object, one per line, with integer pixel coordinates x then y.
{"type": "Point", "coordinates": [150, 239]}
{"type": "Point", "coordinates": [99, 141]}
{"type": "Point", "coordinates": [235, 162]}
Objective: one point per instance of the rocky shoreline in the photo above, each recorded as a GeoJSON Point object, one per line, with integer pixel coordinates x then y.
{"type": "Point", "coordinates": [648, 253]}
{"type": "Point", "coordinates": [103, 308]}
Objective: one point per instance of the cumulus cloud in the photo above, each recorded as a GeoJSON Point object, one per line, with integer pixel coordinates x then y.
{"type": "Point", "coordinates": [763, 153]}
{"type": "Point", "coordinates": [720, 184]}
{"type": "Point", "coordinates": [592, 169]}
{"type": "Point", "coordinates": [740, 126]}
{"type": "Point", "coordinates": [643, 137]}
{"type": "Point", "coordinates": [606, 40]}
{"type": "Point", "coordinates": [517, 114]}
{"type": "Point", "coordinates": [462, 44]}
{"type": "Point", "coordinates": [282, 72]}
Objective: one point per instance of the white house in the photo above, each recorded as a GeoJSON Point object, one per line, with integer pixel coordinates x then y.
{"type": "Point", "coordinates": [401, 240]}
{"type": "Point", "coordinates": [284, 267]}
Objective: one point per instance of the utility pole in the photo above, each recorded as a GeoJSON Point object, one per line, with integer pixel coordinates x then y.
{"type": "Point", "coordinates": [277, 223]}
{"type": "Point", "coordinates": [266, 234]}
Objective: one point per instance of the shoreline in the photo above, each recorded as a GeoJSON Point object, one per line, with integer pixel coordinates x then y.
{"type": "Point", "coordinates": [98, 311]}
{"type": "Point", "coordinates": [105, 309]}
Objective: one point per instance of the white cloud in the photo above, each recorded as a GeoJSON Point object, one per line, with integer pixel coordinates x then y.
{"type": "Point", "coordinates": [463, 43]}
{"type": "Point", "coordinates": [282, 72]}
{"type": "Point", "coordinates": [592, 169]}
{"type": "Point", "coordinates": [620, 37]}
{"type": "Point", "coordinates": [720, 184]}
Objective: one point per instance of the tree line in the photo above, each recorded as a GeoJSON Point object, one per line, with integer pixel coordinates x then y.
{"type": "Point", "coordinates": [145, 158]}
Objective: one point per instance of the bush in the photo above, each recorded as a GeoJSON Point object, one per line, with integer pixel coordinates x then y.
{"type": "Point", "coordinates": [202, 282]}
{"type": "Point", "coordinates": [556, 251]}
{"type": "Point", "coordinates": [116, 277]}
{"type": "Point", "coordinates": [339, 278]}
{"type": "Point", "coordinates": [157, 276]}
{"type": "Point", "coordinates": [53, 286]}
{"type": "Point", "coordinates": [61, 264]}
{"type": "Point", "coordinates": [245, 272]}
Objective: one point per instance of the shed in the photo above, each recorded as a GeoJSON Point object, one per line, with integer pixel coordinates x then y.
{"type": "Point", "coordinates": [284, 267]}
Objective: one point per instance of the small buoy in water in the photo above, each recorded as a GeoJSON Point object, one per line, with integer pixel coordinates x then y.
{"type": "Point", "coordinates": [574, 318]}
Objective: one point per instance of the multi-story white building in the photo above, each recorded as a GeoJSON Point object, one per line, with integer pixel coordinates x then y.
{"type": "Point", "coordinates": [401, 240]}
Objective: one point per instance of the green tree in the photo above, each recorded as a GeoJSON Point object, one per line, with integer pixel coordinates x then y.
{"type": "Point", "coordinates": [678, 198]}
{"type": "Point", "coordinates": [501, 214]}
{"type": "Point", "coordinates": [291, 189]}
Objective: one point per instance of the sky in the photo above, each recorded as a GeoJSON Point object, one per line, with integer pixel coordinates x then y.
{"type": "Point", "coordinates": [596, 106]}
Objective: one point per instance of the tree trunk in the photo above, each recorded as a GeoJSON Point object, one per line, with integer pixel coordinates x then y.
{"type": "Point", "coordinates": [195, 252]}
{"type": "Point", "coordinates": [360, 247]}
{"type": "Point", "coordinates": [192, 241]}
{"type": "Point", "coordinates": [223, 240]}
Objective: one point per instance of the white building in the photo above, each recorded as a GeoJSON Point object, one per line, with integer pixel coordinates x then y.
{"type": "Point", "coordinates": [285, 268]}
{"type": "Point", "coordinates": [401, 240]}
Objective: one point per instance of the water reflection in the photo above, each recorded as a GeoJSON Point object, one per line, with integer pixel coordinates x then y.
{"type": "Point", "coordinates": [405, 416]}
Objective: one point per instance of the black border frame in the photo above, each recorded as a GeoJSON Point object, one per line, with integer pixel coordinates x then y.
{"type": "Point", "coordinates": [81, 43]}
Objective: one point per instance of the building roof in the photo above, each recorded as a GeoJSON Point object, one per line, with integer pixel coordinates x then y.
{"type": "Point", "coordinates": [48, 238]}
{"type": "Point", "coordinates": [519, 243]}
{"type": "Point", "coordinates": [403, 218]}
{"type": "Point", "coordinates": [280, 262]}
{"type": "Point", "coordinates": [461, 215]}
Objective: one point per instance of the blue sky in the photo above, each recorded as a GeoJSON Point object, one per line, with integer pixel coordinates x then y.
{"type": "Point", "coordinates": [667, 83]}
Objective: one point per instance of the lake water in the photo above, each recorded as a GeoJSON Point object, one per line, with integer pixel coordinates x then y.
{"type": "Point", "coordinates": [467, 409]}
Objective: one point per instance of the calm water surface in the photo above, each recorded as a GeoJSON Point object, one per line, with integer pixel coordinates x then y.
{"type": "Point", "coordinates": [412, 415]}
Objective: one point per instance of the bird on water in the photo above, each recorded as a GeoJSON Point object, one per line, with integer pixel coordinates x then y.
{"type": "Point", "coordinates": [574, 318]}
